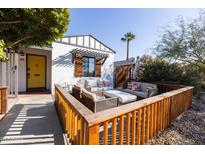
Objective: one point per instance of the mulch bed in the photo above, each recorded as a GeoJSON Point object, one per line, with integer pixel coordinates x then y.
{"type": "Point", "coordinates": [189, 127]}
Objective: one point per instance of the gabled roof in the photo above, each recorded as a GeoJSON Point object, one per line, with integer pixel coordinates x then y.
{"type": "Point", "coordinates": [85, 41]}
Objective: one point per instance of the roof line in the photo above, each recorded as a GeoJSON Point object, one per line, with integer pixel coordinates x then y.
{"type": "Point", "coordinates": [66, 36]}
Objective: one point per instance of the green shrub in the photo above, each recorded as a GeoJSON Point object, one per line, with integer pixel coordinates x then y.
{"type": "Point", "coordinates": [158, 70]}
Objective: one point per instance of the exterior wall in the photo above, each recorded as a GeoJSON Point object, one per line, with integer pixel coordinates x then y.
{"type": "Point", "coordinates": [63, 68]}
{"type": "Point", "coordinates": [22, 67]}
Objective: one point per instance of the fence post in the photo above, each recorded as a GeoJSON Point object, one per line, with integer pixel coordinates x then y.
{"type": "Point", "coordinates": [3, 100]}
{"type": "Point", "coordinates": [93, 135]}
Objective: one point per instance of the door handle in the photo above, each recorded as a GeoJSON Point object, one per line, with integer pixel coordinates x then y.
{"type": "Point", "coordinates": [36, 74]}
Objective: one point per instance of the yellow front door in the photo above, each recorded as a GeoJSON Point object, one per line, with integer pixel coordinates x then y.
{"type": "Point", "coordinates": [36, 71]}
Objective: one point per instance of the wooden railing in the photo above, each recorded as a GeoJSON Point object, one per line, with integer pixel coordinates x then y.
{"type": "Point", "coordinates": [3, 100]}
{"type": "Point", "coordinates": [162, 87]}
{"type": "Point", "coordinates": [133, 123]}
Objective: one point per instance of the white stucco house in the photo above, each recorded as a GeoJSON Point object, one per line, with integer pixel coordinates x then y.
{"type": "Point", "coordinates": [68, 60]}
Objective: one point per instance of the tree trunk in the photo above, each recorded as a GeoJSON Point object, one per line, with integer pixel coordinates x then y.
{"type": "Point", "coordinates": [127, 50]}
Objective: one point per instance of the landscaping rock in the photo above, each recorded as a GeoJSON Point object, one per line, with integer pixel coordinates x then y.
{"type": "Point", "coordinates": [189, 127]}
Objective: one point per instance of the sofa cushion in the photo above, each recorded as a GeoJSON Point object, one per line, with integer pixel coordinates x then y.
{"type": "Point", "coordinates": [90, 83]}
{"type": "Point", "coordinates": [137, 93]}
{"type": "Point", "coordinates": [145, 86]}
{"type": "Point", "coordinates": [122, 96]}
{"type": "Point", "coordinates": [93, 89]}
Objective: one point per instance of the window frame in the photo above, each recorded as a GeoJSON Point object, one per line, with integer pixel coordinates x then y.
{"type": "Point", "coordinates": [87, 75]}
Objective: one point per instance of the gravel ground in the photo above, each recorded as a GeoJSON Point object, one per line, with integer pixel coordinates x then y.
{"type": "Point", "coordinates": [189, 127]}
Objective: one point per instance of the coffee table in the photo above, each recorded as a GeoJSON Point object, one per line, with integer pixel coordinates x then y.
{"type": "Point", "coordinates": [123, 97]}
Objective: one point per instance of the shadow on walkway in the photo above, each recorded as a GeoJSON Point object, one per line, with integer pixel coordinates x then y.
{"type": "Point", "coordinates": [31, 123]}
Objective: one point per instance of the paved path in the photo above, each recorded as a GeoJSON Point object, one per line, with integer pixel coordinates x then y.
{"type": "Point", "coordinates": [32, 120]}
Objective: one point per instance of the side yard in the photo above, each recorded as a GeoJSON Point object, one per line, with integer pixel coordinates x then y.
{"type": "Point", "coordinates": [189, 128]}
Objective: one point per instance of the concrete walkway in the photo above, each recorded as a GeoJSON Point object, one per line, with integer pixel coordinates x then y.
{"type": "Point", "coordinates": [32, 120]}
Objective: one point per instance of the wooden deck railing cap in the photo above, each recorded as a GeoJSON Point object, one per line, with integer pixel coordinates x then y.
{"type": "Point", "coordinates": [80, 108]}
{"type": "Point", "coordinates": [3, 87]}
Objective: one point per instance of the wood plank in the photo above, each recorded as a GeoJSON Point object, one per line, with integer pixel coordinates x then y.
{"type": "Point", "coordinates": [143, 124]}
{"type": "Point", "coordinates": [158, 117]}
{"type": "Point", "coordinates": [75, 127]}
{"type": "Point", "coordinates": [128, 129]}
{"type": "Point", "coordinates": [147, 124]}
{"type": "Point", "coordinates": [67, 120]}
{"type": "Point", "coordinates": [139, 126]}
{"type": "Point", "coordinates": [164, 114]}
{"type": "Point", "coordinates": [79, 130]}
{"type": "Point", "coordinates": [151, 121]}
{"type": "Point", "coordinates": [133, 127]}
{"type": "Point", "coordinates": [93, 135]}
{"type": "Point", "coordinates": [105, 133]}
{"type": "Point", "coordinates": [121, 129]}
{"type": "Point", "coordinates": [161, 109]}
{"type": "Point", "coordinates": [114, 130]}
{"type": "Point", "coordinates": [155, 119]}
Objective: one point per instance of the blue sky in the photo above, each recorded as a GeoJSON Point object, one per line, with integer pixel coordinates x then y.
{"type": "Point", "coordinates": [109, 25]}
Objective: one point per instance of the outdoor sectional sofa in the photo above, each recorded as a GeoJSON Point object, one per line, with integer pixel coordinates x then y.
{"type": "Point", "coordinates": [94, 85]}
{"type": "Point", "coordinates": [95, 101]}
{"type": "Point", "coordinates": [140, 89]}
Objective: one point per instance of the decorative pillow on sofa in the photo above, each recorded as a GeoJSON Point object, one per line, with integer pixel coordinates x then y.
{"type": "Point", "coordinates": [135, 86]}
{"type": "Point", "coordinates": [107, 83]}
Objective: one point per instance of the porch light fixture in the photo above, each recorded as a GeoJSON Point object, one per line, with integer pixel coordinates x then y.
{"type": "Point", "coordinates": [21, 53]}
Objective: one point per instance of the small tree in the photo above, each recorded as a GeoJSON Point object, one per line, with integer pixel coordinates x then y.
{"type": "Point", "coordinates": [127, 38]}
{"type": "Point", "coordinates": [26, 27]}
{"type": "Point", "coordinates": [186, 44]}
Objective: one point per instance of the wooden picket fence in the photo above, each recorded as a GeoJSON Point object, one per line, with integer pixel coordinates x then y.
{"type": "Point", "coordinates": [3, 100]}
{"type": "Point", "coordinates": [133, 123]}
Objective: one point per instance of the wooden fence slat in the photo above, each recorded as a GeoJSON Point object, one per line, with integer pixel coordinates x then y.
{"type": "Point", "coordinates": [133, 127]}
{"type": "Point", "coordinates": [151, 121]}
{"type": "Point", "coordinates": [93, 135]}
{"type": "Point", "coordinates": [147, 124]}
{"type": "Point", "coordinates": [114, 130]}
{"type": "Point", "coordinates": [79, 130]}
{"type": "Point", "coordinates": [155, 118]}
{"type": "Point", "coordinates": [105, 133]}
{"type": "Point", "coordinates": [143, 124]}
{"type": "Point", "coordinates": [128, 129]}
{"type": "Point", "coordinates": [121, 129]}
{"type": "Point", "coordinates": [139, 126]}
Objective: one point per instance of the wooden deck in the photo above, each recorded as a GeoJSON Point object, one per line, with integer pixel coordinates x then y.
{"type": "Point", "coordinates": [133, 123]}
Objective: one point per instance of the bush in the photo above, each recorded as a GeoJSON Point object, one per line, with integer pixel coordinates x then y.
{"type": "Point", "coordinates": [159, 70]}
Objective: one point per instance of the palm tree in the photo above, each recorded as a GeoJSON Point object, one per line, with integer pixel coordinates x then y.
{"type": "Point", "coordinates": [127, 38]}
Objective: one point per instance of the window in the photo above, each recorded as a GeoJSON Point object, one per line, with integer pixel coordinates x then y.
{"type": "Point", "coordinates": [88, 67]}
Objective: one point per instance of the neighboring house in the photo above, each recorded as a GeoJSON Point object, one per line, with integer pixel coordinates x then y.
{"type": "Point", "coordinates": [69, 60]}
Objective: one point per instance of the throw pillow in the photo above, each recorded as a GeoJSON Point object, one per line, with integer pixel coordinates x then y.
{"type": "Point", "coordinates": [135, 86]}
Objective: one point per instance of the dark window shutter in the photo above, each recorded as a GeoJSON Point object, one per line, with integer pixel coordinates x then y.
{"type": "Point", "coordinates": [78, 65]}
{"type": "Point", "coordinates": [98, 67]}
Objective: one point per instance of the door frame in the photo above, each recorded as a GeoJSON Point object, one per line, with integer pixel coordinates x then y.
{"type": "Point", "coordinates": [44, 88]}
